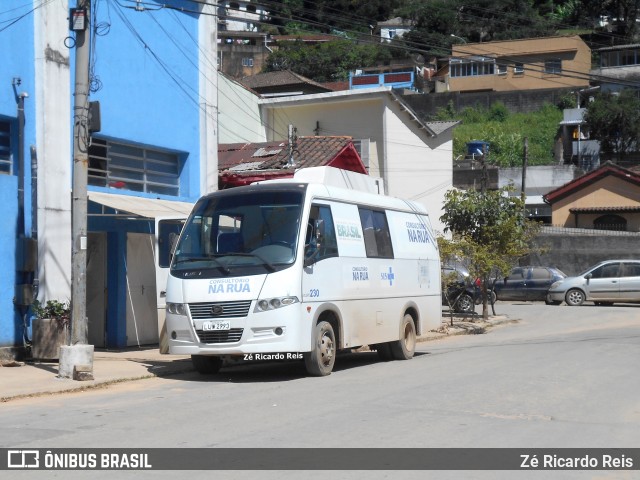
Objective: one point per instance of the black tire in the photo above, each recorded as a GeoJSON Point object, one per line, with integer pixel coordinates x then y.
{"type": "Point", "coordinates": [548, 301]}
{"type": "Point", "coordinates": [384, 351]}
{"type": "Point", "coordinates": [320, 360]}
{"type": "Point", "coordinates": [206, 364]}
{"type": "Point", "coordinates": [465, 304]}
{"type": "Point", "coordinates": [405, 347]}
{"type": "Point", "coordinates": [491, 298]}
{"type": "Point", "coordinates": [574, 297]}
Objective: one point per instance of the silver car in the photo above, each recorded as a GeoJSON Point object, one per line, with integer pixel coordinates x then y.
{"type": "Point", "coordinates": [608, 282]}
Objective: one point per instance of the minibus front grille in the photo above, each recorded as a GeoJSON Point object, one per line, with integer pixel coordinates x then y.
{"type": "Point", "coordinates": [207, 310]}
{"type": "Point", "coordinates": [222, 336]}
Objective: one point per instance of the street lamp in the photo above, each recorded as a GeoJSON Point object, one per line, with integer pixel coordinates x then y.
{"type": "Point", "coordinates": [460, 38]}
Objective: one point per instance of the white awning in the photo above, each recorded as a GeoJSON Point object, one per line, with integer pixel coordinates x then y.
{"type": "Point", "coordinates": [143, 207]}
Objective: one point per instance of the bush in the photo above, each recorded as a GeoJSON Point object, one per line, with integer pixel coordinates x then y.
{"type": "Point", "coordinates": [53, 309]}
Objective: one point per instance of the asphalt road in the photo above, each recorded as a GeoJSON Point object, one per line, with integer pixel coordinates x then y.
{"type": "Point", "coordinates": [559, 377]}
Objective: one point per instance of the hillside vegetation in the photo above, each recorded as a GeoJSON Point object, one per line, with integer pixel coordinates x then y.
{"type": "Point", "coordinates": [506, 133]}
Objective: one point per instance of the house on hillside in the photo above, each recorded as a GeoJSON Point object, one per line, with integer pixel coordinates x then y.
{"type": "Point", "coordinates": [242, 54]}
{"type": "Point", "coordinates": [240, 15]}
{"type": "Point", "coordinates": [619, 67]}
{"type": "Point", "coordinates": [607, 198]}
{"type": "Point", "coordinates": [151, 156]}
{"type": "Point", "coordinates": [516, 65]}
{"type": "Point", "coordinates": [393, 28]}
{"type": "Point", "coordinates": [242, 164]}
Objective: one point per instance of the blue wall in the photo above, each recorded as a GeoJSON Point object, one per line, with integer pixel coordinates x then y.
{"type": "Point", "coordinates": [147, 65]}
{"type": "Point", "coordinates": [16, 62]}
{"type": "Point", "coordinates": [10, 331]}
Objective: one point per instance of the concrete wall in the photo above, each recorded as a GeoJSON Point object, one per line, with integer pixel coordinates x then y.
{"type": "Point", "coordinates": [540, 179]}
{"type": "Point", "coordinates": [517, 102]}
{"type": "Point", "coordinates": [575, 250]}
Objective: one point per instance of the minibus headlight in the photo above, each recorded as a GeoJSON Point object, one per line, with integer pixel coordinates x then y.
{"type": "Point", "coordinates": [176, 308]}
{"type": "Point", "coordinates": [274, 303]}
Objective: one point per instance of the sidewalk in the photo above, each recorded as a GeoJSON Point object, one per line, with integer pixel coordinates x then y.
{"type": "Point", "coordinates": [33, 378]}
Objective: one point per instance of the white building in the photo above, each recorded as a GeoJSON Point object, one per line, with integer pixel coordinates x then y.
{"type": "Point", "coordinates": [413, 157]}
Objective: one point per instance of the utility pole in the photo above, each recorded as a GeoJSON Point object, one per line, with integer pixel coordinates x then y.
{"type": "Point", "coordinates": [525, 160]}
{"type": "Point", "coordinates": [485, 174]}
{"type": "Point", "coordinates": [76, 359]}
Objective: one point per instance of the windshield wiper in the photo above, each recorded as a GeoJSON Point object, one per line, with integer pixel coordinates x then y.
{"type": "Point", "coordinates": [220, 265]}
{"type": "Point", "coordinates": [268, 265]}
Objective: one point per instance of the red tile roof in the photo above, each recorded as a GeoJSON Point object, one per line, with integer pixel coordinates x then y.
{"type": "Point", "coordinates": [240, 164]}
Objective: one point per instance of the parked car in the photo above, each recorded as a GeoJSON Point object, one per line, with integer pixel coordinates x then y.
{"type": "Point", "coordinates": [461, 291]}
{"type": "Point", "coordinates": [527, 283]}
{"type": "Point", "coordinates": [608, 282]}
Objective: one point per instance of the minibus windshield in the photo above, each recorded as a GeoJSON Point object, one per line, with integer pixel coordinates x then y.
{"type": "Point", "coordinates": [247, 233]}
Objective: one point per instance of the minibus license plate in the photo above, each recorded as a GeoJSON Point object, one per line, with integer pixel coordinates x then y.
{"type": "Point", "coordinates": [213, 326]}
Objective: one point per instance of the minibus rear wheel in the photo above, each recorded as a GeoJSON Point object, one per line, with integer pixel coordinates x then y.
{"type": "Point", "coordinates": [206, 364]}
{"type": "Point", "coordinates": [404, 348]}
{"type": "Point", "coordinates": [320, 360]}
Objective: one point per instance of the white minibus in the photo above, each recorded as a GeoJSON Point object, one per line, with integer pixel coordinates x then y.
{"type": "Point", "coordinates": [299, 269]}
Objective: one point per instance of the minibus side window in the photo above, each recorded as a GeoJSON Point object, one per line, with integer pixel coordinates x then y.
{"type": "Point", "coordinates": [377, 239]}
{"type": "Point", "coordinates": [329, 243]}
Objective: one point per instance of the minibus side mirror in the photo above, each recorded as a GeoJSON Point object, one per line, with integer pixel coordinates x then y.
{"type": "Point", "coordinates": [173, 243]}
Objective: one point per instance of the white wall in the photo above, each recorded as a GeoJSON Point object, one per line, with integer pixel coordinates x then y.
{"type": "Point", "coordinates": [420, 168]}
{"type": "Point", "coordinates": [208, 86]}
{"type": "Point", "coordinates": [53, 133]}
{"type": "Point", "coordinates": [239, 119]}
{"type": "Point", "coordinates": [358, 117]}
{"type": "Point", "coordinates": [413, 165]}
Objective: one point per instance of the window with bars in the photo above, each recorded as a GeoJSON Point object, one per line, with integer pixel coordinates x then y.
{"type": "Point", "coordinates": [129, 167]}
{"type": "Point", "coordinates": [5, 148]}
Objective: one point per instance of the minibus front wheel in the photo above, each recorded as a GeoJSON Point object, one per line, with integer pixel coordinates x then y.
{"type": "Point", "coordinates": [320, 360]}
{"type": "Point", "coordinates": [206, 364]}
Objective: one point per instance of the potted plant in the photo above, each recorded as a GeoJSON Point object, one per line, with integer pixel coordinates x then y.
{"type": "Point", "coordinates": [50, 328]}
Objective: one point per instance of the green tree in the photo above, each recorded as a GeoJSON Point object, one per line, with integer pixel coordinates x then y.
{"type": "Point", "coordinates": [614, 120]}
{"type": "Point", "coordinates": [328, 61]}
{"type": "Point", "coordinates": [489, 233]}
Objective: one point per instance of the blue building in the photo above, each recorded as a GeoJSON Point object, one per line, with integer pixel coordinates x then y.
{"type": "Point", "coordinates": [153, 74]}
